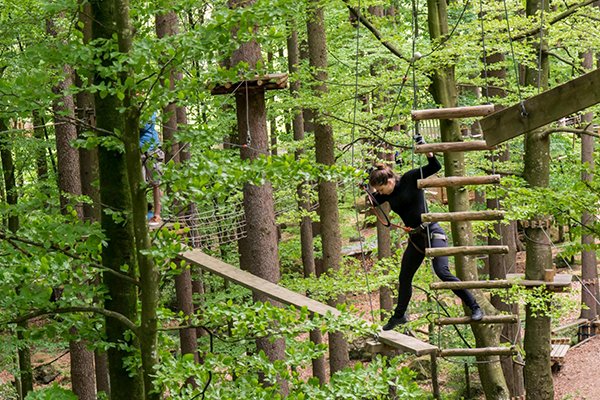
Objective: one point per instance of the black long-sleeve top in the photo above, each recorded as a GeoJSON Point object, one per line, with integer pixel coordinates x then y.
{"type": "Point", "coordinates": [406, 199]}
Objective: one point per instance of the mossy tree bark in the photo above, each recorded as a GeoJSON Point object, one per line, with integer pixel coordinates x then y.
{"type": "Point", "coordinates": [306, 231]}
{"type": "Point", "coordinates": [538, 375]}
{"type": "Point", "coordinates": [443, 90]}
{"type": "Point", "coordinates": [110, 18]}
{"type": "Point", "coordinates": [259, 249]}
{"type": "Point", "coordinates": [324, 153]}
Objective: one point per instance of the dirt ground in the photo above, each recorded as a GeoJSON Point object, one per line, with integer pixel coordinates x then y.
{"type": "Point", "coordinates": [578, 377]}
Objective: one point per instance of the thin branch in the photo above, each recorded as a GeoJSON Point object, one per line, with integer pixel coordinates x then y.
{"type": "Point", "coordinates": [569, 63]}
{"type": "Point", "coordinates": [66, 252]}
{"type": "Point", "coordinates": [76, 309]}
{"type": "Point", "coordinates": [375, 32]}
{"type": "Point", "coordinates": [574, 131]}
{"type": "Point", "coordinates": [568, 12]}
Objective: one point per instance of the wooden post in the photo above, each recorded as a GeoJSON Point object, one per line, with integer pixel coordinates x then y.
{"type": "Point", "coordinates": [452, 112]}
{"type": "Point", "coordinates": [452, 181]}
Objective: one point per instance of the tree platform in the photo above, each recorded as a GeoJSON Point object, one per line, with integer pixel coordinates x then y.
{"type": "Point", "coordinates": [213, 265]}
{"type": "Point", "coordinates": [264, 82]}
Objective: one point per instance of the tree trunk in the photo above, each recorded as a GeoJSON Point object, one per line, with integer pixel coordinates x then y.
{"type": "Point", "coordinates": [69, 182]}
{"type": "Point", "coordinates": [258, 251]}
{"type": "Point", "coordinates": [589, 273]}
{"type": "Point", "coordinates": [306, 233]}
{"type": "Point", "coordinates": [40, 158]}
{"type": "Point", "coordinates": [538, 375]}
{"type": "Point", "coordinates": [168, 25]}
{"type": "Point", "coordinates": [443, 89]}
{"type": "Point", "coordinates": [25, 376]}
{"type": "Point", "coordinates": [115, 195]}
{"type": "Point", "coordinates": [500, 265]}
{"type": "Point", "coordinates": [324, 153]}
{"type": "Point", "coordinates": [88, 163]}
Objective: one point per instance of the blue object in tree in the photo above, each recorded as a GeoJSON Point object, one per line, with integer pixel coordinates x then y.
{"type": "Point", "coordinates": [149, 140]}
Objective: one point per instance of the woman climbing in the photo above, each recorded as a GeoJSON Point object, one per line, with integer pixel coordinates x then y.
{"type": "Point", "coordinates": [408, 202]}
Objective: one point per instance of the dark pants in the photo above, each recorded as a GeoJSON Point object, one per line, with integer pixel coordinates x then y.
{"type": "Point", "coordinates": [412, 260]}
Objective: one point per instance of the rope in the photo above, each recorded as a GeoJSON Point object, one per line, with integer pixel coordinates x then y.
{"type": "Point", "coordinates": [515, 67]}
{"type": "Point", "coordinates": [583, 286]}
{"type": "Point", "coordinates": [539, 82]}
{"type": "Point", "coordinates": [356, 215]}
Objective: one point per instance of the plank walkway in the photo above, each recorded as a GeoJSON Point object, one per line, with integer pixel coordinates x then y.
{"type": "Point", "coordinates": [213, 265]}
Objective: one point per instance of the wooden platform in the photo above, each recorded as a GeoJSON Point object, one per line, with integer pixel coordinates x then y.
{"type": "Point", "coordinates": [559, 351]}
{"type": "Point", "coordinates": [258, 285]}
{"type": "Point", "coordinates": [264, 82]}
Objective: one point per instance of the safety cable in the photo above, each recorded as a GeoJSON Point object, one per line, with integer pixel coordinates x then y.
{"type": "Point", "coordinates": [583, 286]}
{"type": "Point", "coordinates": [516, 68]}
{"type": "Point", "coordinates": [539, 81]}
{"type": "Point", "coordinates": [354, 196]}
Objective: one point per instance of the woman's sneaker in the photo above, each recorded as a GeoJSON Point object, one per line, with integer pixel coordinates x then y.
{"type": "Point", "coordinates": [394, 322]}
{"type": "Point", "coordinates": [476, 313]}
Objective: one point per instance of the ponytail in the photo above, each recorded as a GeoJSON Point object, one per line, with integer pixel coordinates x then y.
{"type": "Point", "coordinates": [380, 174]}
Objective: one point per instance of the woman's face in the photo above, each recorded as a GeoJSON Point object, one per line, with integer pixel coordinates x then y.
{"type": "Point", "coordinates": [387, 188]}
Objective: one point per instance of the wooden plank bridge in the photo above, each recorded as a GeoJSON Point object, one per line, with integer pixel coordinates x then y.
{"type": "Point", "coordinates": [213, 265]}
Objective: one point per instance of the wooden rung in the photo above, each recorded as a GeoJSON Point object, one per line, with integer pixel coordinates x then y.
{"type": "Point", "coordinates": [560, 282]}
{"type": "Point", "coordinates": [449, 147]}
{"type": "Point", "coordinates": [487, 319]}
{"type": "Point", "coordinates": [457, 181]}
{"type": "Point", "coordinates": [486, 215]}
{"type": "Point", "coordinates": [465, 250]}
{"type": "Point", "coordinates": [452, 112]}
{"type": "Point", "coordinates": [572, 324]}
{"type": "Point", "coordinates": [495, 284]}
{"type": "Point", "coordinates": [483, 351]}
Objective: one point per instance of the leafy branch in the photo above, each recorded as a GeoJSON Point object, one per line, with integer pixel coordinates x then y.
{"type": "Point", "coordinates": [13, 239]}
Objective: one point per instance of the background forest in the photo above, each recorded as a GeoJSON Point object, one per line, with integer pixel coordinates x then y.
{"type": "Point", "coordinates": [250, 177]}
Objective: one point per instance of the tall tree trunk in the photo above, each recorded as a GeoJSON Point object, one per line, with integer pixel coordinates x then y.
{"type": "Point", "coordinates": [88, 163]}
{"type": "Point", "coordinates": [443, 89]}
{"type": "Point", "coordinates": [25, 376]}
{"type": "Point", "coordinates": [69, 182]}
{"type": "Point", "coordinates": [306, 232]}
{"type": "Point", "coordinates": [538, 375]}
{"type": "Point", "coordinates": [258, 251]}
{"type": "Point", "coordinates": [115, 195]}
{"type": "Point", "coordinates": [168, 25]}
{"type": "Point", "coordinates": [324, 153]}
{"type": "Point", "coordinates": [589, 273]}
{"type": "Point", "coordinates": [40, 158]}
{"type": "Point", "coordinates": [504, 234]}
